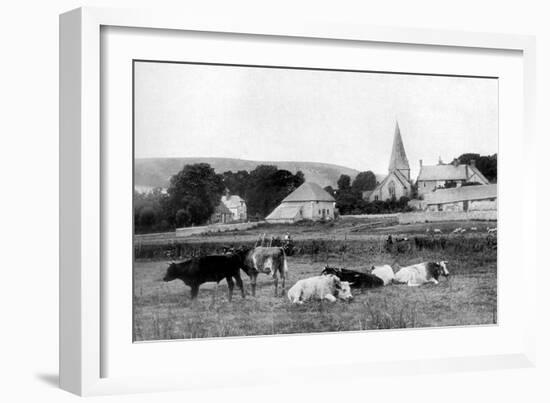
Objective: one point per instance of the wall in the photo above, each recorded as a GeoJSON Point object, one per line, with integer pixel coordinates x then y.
{"type": "Point", "coordinates": [29, 166]}
{"type": "Point", "coordinates": [436, 216]}
{"type": "Point", "coordinates": [188, 231]}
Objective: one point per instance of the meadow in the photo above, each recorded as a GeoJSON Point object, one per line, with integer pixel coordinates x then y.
{"type": "Point", "coordinates": [467, 297]}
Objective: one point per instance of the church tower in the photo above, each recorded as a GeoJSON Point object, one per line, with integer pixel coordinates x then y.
{"type": "Point", "coordinates": [398, 159]}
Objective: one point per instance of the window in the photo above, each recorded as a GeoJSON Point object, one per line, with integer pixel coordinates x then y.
{"type": "Point", "coordinates": [376, 198]}
{"type": "Point", "coordinates": [391, 189]}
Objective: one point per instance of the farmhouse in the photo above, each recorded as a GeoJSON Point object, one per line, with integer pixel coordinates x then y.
{"type": "Point", "coordinates": [236, 205]}
{"type": "Point", "coordinates": [309, 202]}
{"type": "Point", "coordinates": [398, 181]}
{"type": "Point", "coordinates": [463, 198]}
{"type": "Point", "coordinates": [221, 215]}
{"type": "Point", "coordinates": [432, 177]}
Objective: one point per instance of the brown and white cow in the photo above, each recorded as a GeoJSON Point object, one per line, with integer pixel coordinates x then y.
{"type": "Point", "coordinates": [267, 260]}
{"type": "Point", "coordinates": [421, 273]}
{"type": "Point", "coordinates": [384, 272]}
{"type": "Point", "coordinates": [324, 287]}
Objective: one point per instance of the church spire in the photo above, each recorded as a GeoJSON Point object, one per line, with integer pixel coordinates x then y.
{"type": "Point", "coordinates": [398, 158]}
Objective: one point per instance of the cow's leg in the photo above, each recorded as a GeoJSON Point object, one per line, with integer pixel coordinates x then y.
{"type": "Point", "coordinates": [253, 277]}
{"type": "Point", "coordinates": [330, 297]}
{"type": "Point", "coordinates": [283, 277]}
{"type": "Point", "coordinates": [433, 280]}
{"type": "Point", "coordinates": [194, 291]}
{"type": "Point", "coordinates": [276, 282]}
{"type": "Point", "coordinates": [230, 285]}
{"type": "Point", "coordinates": [239, 282]}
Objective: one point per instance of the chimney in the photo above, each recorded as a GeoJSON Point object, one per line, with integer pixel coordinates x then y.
{"type": "Point", "coordinates": [472, 163]}
{"type": "Point", "coordinates": [420, 163]}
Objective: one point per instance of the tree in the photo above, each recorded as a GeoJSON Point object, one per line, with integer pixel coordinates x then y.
{"type": "Point", "coordinates": [486, 164]}
{"type": "Point", "coordinates": [193, 194]}
{"type": "Point", "coordinates": [364, 181]}
{"type": "Point", "coordinates": [330, 190]}
{"type": "Point", "coordinates": [268, 186]}
{"type": "Point", "coordinates": [236, 182]}
{"type": "Point", "coordinates": [344, 182]}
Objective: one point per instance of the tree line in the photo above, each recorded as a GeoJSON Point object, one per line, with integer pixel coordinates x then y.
{"type": "Point", "coordinates": [194, 193]}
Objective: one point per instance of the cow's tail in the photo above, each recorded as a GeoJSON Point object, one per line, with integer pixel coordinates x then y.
{"type": "Point", "coordinates": [285, 265]}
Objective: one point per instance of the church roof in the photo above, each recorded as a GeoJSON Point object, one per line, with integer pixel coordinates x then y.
{"type": "Point", "coordinates": [398, 159]}
{"type": "Point", "coordinates": [309, 191]}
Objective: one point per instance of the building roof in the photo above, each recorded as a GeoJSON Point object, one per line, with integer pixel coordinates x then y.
{"type": "Point", "coordinates": [398, 159]}
{"type": "Point", "coordinates": [462, 193]}
{"type": "Point", "coordinates": [284, 213]}
{"type": "Point", "coordinates": [232, 201]}
{"type": "Point", "coordinates": [450, 172]}
{"type": "Point", "coordinates": [309, 191]}
{"type": "Point", "coordinates": [443, 172]}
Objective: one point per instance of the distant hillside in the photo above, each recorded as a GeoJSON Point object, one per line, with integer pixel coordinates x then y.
{"type": "Point", "coordinates": [156, 172]}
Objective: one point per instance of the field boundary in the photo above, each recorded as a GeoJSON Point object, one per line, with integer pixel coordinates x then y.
{"type": "Point", "coordinates": [437, 216]}
{"type": "Point", "coordinates": [188, 231]}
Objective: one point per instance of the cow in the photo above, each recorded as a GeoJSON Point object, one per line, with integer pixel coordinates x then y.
{"type": "Point", "coordinates": [384, 272]}
{"type": "Point", "coordinates": [421, 273]}
{"type": "Point", "coordinates": [325, 287]}
{"type": "Point", "coordinates": [355, 279]}
{"type": "Point", "coordinates": [263, 259]}
{"type": "Point", "coordinates": [214, 268]}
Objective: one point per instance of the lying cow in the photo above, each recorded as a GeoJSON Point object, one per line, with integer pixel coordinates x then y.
{"type": "Point", "coordinates": [385, 273]}
{"type": "Point", "coordinates": [326, 287]}
{"type": "Point", "coordinates": [355, 279]}
{"type": "Point", "coordinates": [421, 273]}
{"type": "Point", "coordinates": [196, 271]}
{"type": "Point", "coordinates": [262, 259]}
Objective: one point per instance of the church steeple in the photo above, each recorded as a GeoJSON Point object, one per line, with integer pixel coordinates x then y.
{"type": "Point", "coordinates": [398, 159]}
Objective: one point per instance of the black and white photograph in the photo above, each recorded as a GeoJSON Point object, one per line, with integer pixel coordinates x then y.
{"type": "Point", "coordinates": [273, 200]}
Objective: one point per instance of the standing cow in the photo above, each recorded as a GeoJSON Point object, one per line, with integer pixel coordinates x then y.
{"type": "Point", "coordinates": [263, 259]}
{"type": "Point", "coordinates": [196, 271]}
{"type": "Point", "coordinates": [421, 273]}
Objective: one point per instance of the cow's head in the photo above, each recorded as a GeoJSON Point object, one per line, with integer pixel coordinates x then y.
{"type": "Point", "coordinates": [344, 292]}
{"type": "Point", "coordinates": [330, 270]}
{"type": "Point", "coordinates": [171, 272]}
{"type": "Point", "coordinates": [443, 264]}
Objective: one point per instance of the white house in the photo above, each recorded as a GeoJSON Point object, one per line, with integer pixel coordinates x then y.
{"type": "Point", "coordinates": [236, 205]}
{"type": "Point", "coordinates": [309, 202]}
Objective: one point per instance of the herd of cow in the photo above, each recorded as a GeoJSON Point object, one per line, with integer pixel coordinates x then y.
{"type": "Point", "coordinates": [332, 283]}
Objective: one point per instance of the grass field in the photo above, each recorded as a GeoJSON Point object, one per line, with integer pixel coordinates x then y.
{"type": "Point", "coordinates": [467, 297]}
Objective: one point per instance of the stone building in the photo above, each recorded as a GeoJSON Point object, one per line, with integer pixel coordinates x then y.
{"type": "Point", "coordinates": [432, 177]}
{"type": "Point", "coordinates": [308, 202]}
{"type": "Point", "coordinates": [398, 181]}
{"type": "Point", "coordinates": [463, 198]}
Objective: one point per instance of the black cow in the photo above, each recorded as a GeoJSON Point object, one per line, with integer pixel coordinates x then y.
{"type": "Point", "coordinates": [214, 268]}
{"type": "Point", "coordinates": [356, 279]}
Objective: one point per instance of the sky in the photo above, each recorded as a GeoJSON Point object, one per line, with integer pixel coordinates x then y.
{"type": "Point", "coordinates": [343, 118]}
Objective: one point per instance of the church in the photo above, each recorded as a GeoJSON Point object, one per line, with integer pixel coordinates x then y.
{"type": "Point", "coordinates": [398, 181]}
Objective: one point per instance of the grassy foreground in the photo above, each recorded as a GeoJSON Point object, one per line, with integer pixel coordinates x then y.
{"type": "Point", "coordinates": [467, 297]}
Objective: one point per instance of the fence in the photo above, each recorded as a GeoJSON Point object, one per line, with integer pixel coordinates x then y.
{"type": "Point", "coordinates": [435, 216]}
{"type": "Point", "coordinates": [188, 231]}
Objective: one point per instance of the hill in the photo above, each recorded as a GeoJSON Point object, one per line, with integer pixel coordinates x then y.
{"type": "Point", "coordinates": [156, 172]}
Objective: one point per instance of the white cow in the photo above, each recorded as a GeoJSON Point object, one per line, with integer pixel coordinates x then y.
{"type": "Point", "coordinates": [384, 272]}
{"type": "Point", "coordinates": [326, 287]}
{"type": "Point", "coordinates": [421, 273]}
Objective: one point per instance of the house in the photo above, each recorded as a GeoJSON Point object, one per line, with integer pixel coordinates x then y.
{"type": "Point", "coordinates": [221, 215]}
{"type": "Point", "coordinates": [236, 205]}
{"type": "Point", "coordinates": [308, 202]}
{"type": "Point", "coordinates": [398, 181]}
{"type": "Point", "coordinates": [432, 177]}
{"type": "Point", "coordinates": [463, 198]}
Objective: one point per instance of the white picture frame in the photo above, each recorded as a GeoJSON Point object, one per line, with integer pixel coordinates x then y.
{"type": "Point", "coordinates": [82, 173]}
